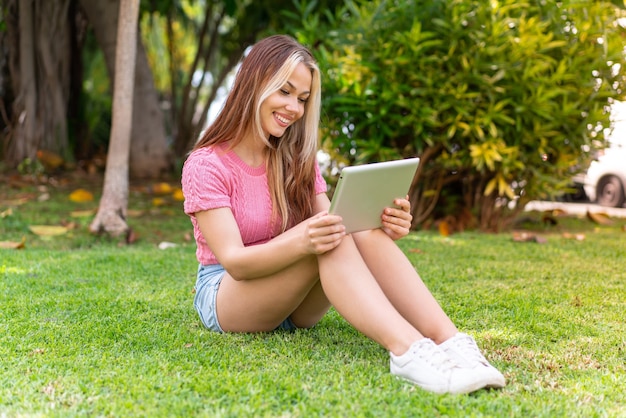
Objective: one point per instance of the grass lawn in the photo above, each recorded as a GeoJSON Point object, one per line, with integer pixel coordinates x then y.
{"type": "Point", "coordinates": [93, 327]}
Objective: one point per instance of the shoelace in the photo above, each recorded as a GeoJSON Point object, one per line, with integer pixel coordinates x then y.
{"type": "Point", "coordinates": [435, 356]}
{"type": "Point", "coordinates": [468, 347]}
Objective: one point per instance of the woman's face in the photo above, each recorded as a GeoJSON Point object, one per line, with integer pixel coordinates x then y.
{"type": "Point", "coordinates": [285, 106]}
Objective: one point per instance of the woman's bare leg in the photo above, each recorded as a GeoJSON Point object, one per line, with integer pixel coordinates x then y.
{"type": "Point", "coordinates": [403, 286]}
{"type": "Point", "coordinates": [312, 309]}
{"type": "Point", "coordinates": [262, 304]}
{"type": "Point", "coordinates": [355, 294]}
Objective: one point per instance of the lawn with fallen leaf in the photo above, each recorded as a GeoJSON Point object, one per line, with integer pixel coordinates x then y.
{"type": "Point", "coordinates": [97, 326]}
{"type": "Point", "coordinates": [56, 212]}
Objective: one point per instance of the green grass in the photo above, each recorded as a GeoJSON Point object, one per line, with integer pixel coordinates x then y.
{"type": "Point", "coordinates": [89, 327]}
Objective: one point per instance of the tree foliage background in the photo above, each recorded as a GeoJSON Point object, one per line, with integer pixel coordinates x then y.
{"type": "Point", "coordinates": [503, 100]}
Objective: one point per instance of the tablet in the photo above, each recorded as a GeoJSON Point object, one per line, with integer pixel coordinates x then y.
{"type": "Point", "coordinates": [364, 191]}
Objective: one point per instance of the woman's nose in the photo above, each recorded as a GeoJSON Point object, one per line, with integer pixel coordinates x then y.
{"type": "Point", "coordinates": [293, 104]}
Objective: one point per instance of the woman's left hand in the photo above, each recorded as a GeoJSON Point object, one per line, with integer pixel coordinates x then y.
{"type": "Point", "coordinates": [397, 221]}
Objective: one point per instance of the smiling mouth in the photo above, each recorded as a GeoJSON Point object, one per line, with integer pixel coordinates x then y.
{"type": "Point", "coordinates": [282, 120]}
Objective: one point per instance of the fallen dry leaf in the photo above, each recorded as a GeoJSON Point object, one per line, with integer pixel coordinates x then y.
{"type": "Point", "coordinates": [48, 230]}
{"type": "Point", "coordinates": [17, 201]}
{"type": "Point", "coordinates": [69, 224]}
{"type": "Point", "coordinates": [444, 228]}
{"type": "Point", "coordinates": [134, 213]}
{"type": "Point", "coordinates": [11, 245]}
{"type": "Point", "coordinates": [178, 195]}
{"type": "Point", "coordinates": [17, 181]}
{"type": "Point", "coordinates": [416, 251]}
{"type": "Point", "coordinates": [6, 213]}
{"type": "Point", "coordinates": [558, 212]}
{"type": "Point", "coordinates": [50, 160]}
{"type": "Point", "coordinates": [157, 201]}
{"type": "Point", "coordinates": [81, 196]}
{"type": "Point", "coordinates": [599, 218]}
{"type": "Point", "coordinates": [162, 188]}
{"type": "Point", "coordinates": [166, 212]}
{"type": "Point", "coordinates": [527, 237]}
{"type": "Point", "coordinates": [577, 237]}
{"type": "Point", "coordinates": [521, 236]}
{"type": "Point", "coordinates": [131, 236]}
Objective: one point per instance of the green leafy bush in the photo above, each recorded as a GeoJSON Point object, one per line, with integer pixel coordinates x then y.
{"type": "Point", "coordinates": [504, 101]}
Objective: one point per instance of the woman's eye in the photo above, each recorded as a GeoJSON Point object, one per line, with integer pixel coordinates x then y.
{"type": "Point", "coordinates": [284, 92]}
{"type": "Point", "coordinates": [303, 100]}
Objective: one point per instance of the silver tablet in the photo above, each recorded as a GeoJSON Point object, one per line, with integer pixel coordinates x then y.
{"type": "Point", "coordinates": [364, 191]}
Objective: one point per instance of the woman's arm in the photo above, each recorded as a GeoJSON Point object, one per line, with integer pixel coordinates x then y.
{"type": "Point", "coordinates": [316, 235]}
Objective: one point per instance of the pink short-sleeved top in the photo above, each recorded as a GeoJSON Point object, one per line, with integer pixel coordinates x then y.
{"type": "Point", "coordinates": [215, 177]}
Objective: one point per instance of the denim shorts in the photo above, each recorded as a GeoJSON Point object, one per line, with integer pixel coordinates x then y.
{"type": "Point", "coordinates": [207, 283]}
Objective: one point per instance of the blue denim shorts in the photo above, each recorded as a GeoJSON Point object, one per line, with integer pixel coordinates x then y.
{"type": "Point", "coordinates": [207, 283]}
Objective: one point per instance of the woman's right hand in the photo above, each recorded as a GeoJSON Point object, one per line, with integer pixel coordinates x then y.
{"type": "Point", "coordinates": [323, 232]}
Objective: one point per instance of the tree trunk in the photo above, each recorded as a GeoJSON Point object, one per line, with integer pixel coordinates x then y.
{"type": "Point", "coordinates": [40, 80]}
{"type": "Point", "coordinates": [24, 144]}
{"type": "Point", "coordinates": [111, 216]}
{"type": "Point", "coordinates": [149, 154]}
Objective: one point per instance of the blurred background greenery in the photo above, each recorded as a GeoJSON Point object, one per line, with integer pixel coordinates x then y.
{"type": "Point", "coordinates": [505, 101]}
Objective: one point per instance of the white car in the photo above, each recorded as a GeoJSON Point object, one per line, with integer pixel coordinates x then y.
{"type": "Point", "coordinates": [605, 180]}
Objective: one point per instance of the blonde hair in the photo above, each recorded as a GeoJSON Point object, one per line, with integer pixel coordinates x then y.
{"type": "Point", "coordinates": [292, 157]}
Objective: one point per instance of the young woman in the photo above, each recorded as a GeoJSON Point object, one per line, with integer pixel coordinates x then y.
{"type": "Point", "coordinates": [272, 257]}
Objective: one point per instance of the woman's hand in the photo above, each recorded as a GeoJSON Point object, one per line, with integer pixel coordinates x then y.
{"type": "Point", "coordinates": [397, 222]}
{"type": "Point", "coordinates": [323, 232]}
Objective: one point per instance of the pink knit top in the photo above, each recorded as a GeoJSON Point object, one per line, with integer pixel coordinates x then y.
{"type": "Point", "coordinates": [214, 178]}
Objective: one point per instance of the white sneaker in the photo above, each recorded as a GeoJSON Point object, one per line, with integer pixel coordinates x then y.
{"type": "Point", "coordinates": [463, 349]}
{"type": "Point", "coordinates": [429, 367]}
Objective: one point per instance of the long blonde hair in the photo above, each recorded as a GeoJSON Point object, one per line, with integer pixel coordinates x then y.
{"type": "Point", "coordinates": [292, 157]}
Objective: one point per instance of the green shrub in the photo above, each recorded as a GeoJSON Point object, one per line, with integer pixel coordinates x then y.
{"type": "Point", "coordinates": [504, 101]}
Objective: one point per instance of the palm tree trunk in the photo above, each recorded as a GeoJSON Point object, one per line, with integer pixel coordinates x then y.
{"type": "Point", "coordinates": [111, 216]}
{"type": "Point", "coordinates": [150, 155]}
